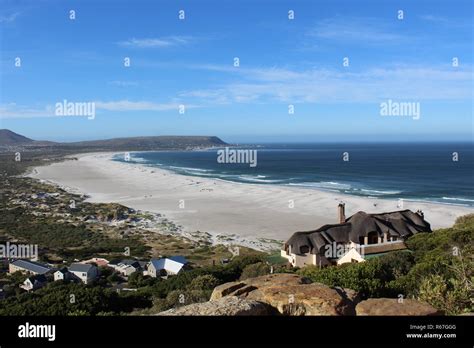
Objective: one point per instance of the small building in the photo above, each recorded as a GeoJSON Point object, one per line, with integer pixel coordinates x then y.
{"type": "Point", "coordinates": [166, 266]}
{"type": "Point", "coordinates": [62, 274]}
{"type": "Point", "coordinates": [86, 273]}
{"type": "Point", "coordinates": [354, 238]}
{"type": "Point", "coordinates": [127, 267]}
{"type": "Point", "coordinates": [29, 267]}
{"type": "Point", "coordinates": [34, 282]}
{"type": "Point", "coordinates": [99, 261]}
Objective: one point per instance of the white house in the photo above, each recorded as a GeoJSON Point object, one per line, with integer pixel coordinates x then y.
{"type": "Point", "coordinates": [62, 274]}
{"type": "Point", "coordinates": [166, 266]}
{"type": "Point", "coordinates": [34, 282]}
{"type": "Point", "coordinates": [127, 267]}
{"type": "Point", "coordinates": [85, 272]}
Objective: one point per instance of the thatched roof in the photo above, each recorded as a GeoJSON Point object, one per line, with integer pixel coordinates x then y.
{"type": "Point", "coordinates": [400, 224]}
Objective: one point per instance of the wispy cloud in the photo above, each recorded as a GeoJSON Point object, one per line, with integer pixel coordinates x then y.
{"type": "Point", "coordinates": [448, 22]}
{"type": "Point", "coordinates": [275, 85]}
{"type": "Point", "coordinates": [261, 85]}
{"type": "Point", "coordinates": [157, 42]}
{"type": "Point", "coordinates": [9, 18]}
{"type": "Point", "coordinates": [367, 30]}
{"type": "Point", "coordinates": [119, 83]}
{"type": "Point", "coordinates": [434, 18]}
{"type": "Point", "coordinates": [13, 110]}
{"type": "Point", "coordinates": [127, 105]}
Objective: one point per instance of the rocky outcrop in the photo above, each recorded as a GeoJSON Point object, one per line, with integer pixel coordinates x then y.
{"type": "Point", "coordinates": [226, 306]}
{"type": "Point", "coordinates": [392, 306]}
{"type": "Point", "coordinates": [291, 294]}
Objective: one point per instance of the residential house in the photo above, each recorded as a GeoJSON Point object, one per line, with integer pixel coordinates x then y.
{"type": "Point", "coordinates": [29, 267]}
{"type": "Point", "coordinates": [166, 266]}
{"type": "Point", "coordinates": [62, 274]}
{"type": "Point", "coordinates": [34, 282]}
{"type": "Point", "coordinates": [127, 267]}
{"type": "Point", "coordinates": [354, 238]}
{"type": "Point", "coordinates": [87, 273]}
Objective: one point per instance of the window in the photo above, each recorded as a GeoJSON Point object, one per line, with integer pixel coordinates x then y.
{"type": "Point", "coordinates": [373, 238]}
{"type": "Point", "coordinates": [304, 249]}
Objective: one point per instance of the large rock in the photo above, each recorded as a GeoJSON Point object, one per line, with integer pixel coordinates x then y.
{"type": "Point", "coordinates": [391, 306]}
{"type": "Point", "coordinates": [291, 294]}
{"type": "Point", "coordinates": [230, 306]}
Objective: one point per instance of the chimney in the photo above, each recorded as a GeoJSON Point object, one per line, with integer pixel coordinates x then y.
{"type": "Point", "coordinates": [341, 212]}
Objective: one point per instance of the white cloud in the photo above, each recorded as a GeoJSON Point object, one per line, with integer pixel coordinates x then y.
{"type": "Point", "coordinates": [12, 110]}
{"type": "Point", "coordinates": [126, 105]}
{"type": "Point", "coordinates": [270, 85]}
{"type": "Point", "coordinates": [434, 18]}
{"type": "Point", "coordinates": [9, 18]}
{"type": "Point", "coordinates": [284, 85]}
{"type": "Point", "coordinates": [367, 30]}
{"type": "Point", "coordinates": [119, 83]}
{"type": "Point", "coordinates": [157, 42]}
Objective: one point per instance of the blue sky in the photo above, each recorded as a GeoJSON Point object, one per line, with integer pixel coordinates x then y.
{"type": "Point", "coordinates": [282, 62]}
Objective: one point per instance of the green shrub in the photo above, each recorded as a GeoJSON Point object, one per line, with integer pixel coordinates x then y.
{"type": "Point", "coordinates": [255, 270]}
{"type": "Point", "coordinates": [204, 282]}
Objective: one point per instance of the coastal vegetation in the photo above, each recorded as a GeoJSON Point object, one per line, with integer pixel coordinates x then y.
{"type": "Point", "coordinates": [152, 295]}
{"type": "Point", "coordinates": [437, 268]}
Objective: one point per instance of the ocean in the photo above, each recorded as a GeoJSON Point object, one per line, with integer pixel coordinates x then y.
{"type": "Point", "coordinates": [435, 172]}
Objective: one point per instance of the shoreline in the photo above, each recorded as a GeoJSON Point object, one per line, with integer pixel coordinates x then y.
{"type": "Point", "coordinates": [376, 194]}
{"type": "Point", "coordinates": [240, 213]}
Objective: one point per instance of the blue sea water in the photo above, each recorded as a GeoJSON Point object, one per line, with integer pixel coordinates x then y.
{"type": "Point", "coordinates": [416, 171]}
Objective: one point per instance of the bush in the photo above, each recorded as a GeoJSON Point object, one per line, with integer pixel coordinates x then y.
{"type": "Point", "coordinates": [204, 282]}
{"type": "Point", "coordinates": [451, 294]}
{"type": "Point", "coordinates": [255, 270]}
{"type": "Point", "coordinates": [55, 300]}
{"type": "Point", "coordinates": [375, 277]}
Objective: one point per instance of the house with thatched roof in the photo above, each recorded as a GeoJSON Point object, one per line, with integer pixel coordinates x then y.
{"type": "Point", "coordinates": [354, 239]}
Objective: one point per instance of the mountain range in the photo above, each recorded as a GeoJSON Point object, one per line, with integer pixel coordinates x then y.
{"type": "Point", "coordinates": [10, 139]}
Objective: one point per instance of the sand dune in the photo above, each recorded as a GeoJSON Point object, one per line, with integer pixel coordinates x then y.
{"type": "Point", "coordinates": [216, 206]}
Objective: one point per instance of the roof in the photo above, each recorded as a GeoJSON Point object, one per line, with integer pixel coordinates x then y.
{"type": "Point", "coordinates": [37, 278]}
{"type": "Point", "coordinates": [80, 267]}
{"type": "Point", "coordinates": [114, 262]}
{"type": "Point", "coordinates": [133, 263]}
{"type": "Point", "coordinates": [31, 266]}
{"type": "Point", "coordinates": [180, 259]}
{"type": "Point", "coordinates": [142, 264]}
{"type": "Point", "coordinates": [401, 224]}
{"type": "Point", "coordinates": [167, 264]}
{"type": "Point", "coordinates": [62, 270]}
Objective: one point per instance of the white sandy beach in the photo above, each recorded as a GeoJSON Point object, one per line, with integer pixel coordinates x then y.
{"type": "Point", "coordinates": [220, 207]}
